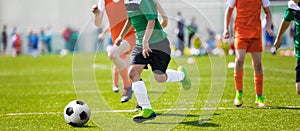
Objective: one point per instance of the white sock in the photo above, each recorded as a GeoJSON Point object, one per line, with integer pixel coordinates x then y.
{"type": "Point", "coordinates": [141, 95]}
{"type": "Point", "coordinates": [174, 76]}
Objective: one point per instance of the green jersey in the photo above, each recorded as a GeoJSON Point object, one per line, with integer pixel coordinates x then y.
{"type": "Point", "coordinates": [139, 13]}
{"type": "Point", "coordinates": [292, 13]}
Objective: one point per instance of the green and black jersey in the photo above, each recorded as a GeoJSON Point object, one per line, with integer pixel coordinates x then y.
{"type": "Point", "coordinates": [139, 13]}
{"type": "Point", "coordinates": [292, 13]}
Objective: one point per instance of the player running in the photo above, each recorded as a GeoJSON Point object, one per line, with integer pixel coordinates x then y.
{"type": "Point", "coordinates": [120, 55]}
{"type": "Point", "coordinates": [248, 39]}
{"type": "Point", "coordinates": [291, 14]}
{"type": "Point", "coordinates": [152, 48]}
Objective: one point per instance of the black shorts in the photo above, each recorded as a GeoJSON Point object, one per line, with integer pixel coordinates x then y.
{"type": "Point", "coordinates": [298, 71]}
{"type": "Point", "coordinates": [159, 57]}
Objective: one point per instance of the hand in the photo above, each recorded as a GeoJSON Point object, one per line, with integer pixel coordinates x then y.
{"type": "Point", "coordinates": [101, 36]}
{"type": "Point", "coordinates": [146, 50]}
{"type": "Point", "coordinates": [226, 34]}
{"type": "Point", "coordinates": [118, 41]}
{"type": "Point", "coordinates": [164, 22]}
{"type": "Point", "coordinates": [277, 44]}
{"type": "Point", "coordinates": [95, 10]}
{"type": "Point", "coordinates": [270, 32]}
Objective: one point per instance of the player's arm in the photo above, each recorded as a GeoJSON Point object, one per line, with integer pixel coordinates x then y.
{"type": "Point", "coordinates": [101, 36]}
{"type": "Point", "coordinates": [98, 15]}
{"type": "Point", "coordinates": [148, 32]}
{"type": "Point", "coordinates": [125, 30]}
{"type": "Point", "coordinates": [283, 27]}
{"type": "Point", "coordinates": [161, 11]}
{"type": "Point", "coordinates": [228, 14]}
{"type": "Point", "coordinates": [269, 20]}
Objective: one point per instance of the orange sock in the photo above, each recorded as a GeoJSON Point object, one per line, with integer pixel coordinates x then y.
{"type": "Point", "coordinates": [258, 81]}
{"type": "Point", "coordinates": [238, 80]}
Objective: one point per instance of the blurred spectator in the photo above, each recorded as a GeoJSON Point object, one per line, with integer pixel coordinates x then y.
{"type": "Point", "coordinates": [192, 29]}
{"type": "Point", "coordinates": [46, 39]}
{"type": "Point", "coordinates": [179, 30]}
{"type": "Point", "coordinates": [73, 40]}
{"type": "Point", "coordinates": [101, 37]}
{"type": "Point", "coordinates": [33, 42]}
{"type": "Point", "coordinates": [67, 36]}
{"type": "Point", "coordinates": [211, 33]}
{"type": "Point", "coordinates": [4, 39]}
{"type": "Point", "coordinates": [43, 41]}
{"type": "Point", "coordinates": [211, 41]}
{"type": "Point", "coordinates": [196, 45]}
{"type": "Point", "coordinates": [221, 47]}
{"type": "Point", "coordinates": [268, 39]}
{"type": "Point", "coordinates": [16, 42]}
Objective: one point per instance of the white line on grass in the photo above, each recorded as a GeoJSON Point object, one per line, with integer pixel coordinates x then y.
{"type": "Point", "coordinates": [158, 110]}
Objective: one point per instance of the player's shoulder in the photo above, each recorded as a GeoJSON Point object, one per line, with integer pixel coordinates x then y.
{"type": "Point", "coordinates": [292, 5]}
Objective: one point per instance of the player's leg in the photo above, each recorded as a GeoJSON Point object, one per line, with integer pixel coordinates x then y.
{"type": "Point", "coordinates": [115, 77]}
{"type": "Point", "coordinates": [240, 50]}
{"type": "Point", "coordinates": [298, 87]}
{"type": "Point", "coordinates": [160, 62]}
{"type": "Point", "coordinates": [238, 76]}
{"type": "Point", "coordinates": [255, 47]}
{"type": "Point", "coordinates": [115, 55]}
{"type": "Point", "coordinates": [127, 88]}
{"type": "Point", "coordinates": [141, 95]}
{"type": "Point", "coordinates": [298, 77]}
{"type": "Point", "coordinates": [258, 78]}
{"type": "Point", "coordinates": [121, 64]}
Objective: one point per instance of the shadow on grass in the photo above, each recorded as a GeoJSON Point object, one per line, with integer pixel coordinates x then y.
{"type": "Point", "coordinates": [190, 123]}
{"type": "Point", "coordinates": [179, 115]}
{"type": "Point", "coordinates": [273, 107]}
{"type": "Point", "coordinates": [86, 126]}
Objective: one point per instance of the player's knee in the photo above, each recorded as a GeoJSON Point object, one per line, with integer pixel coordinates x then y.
{"type": "Point", "coordinates": [133, 75]}
{"type": "Point", "coordinates": [112, 55]}
{"type": "Point", "coordinates": [239, 63]}
{"type": "Point", "coordinates": [258, 67]}
{"type": "Point", "coordinates": [160, 78]}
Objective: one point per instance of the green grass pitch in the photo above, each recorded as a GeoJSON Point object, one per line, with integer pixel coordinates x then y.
{"type": "Point", "coordinates": [34, 92]}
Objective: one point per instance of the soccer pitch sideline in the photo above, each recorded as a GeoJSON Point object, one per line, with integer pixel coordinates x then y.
{"type": "Point", "coordinates": [34, 92]}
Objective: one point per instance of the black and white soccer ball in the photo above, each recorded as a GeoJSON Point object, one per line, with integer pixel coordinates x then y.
{"type": "Point", "coordinates": [77, 113]}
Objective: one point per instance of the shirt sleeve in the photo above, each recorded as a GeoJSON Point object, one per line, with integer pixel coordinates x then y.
{"type": "Point", "coordinates": [288, 15]}
{"type": "Point", "coordinates": [101, 5]}
{"type": "Point", "coordinates": [266, 3]}
{"type": "Point", "coordinates": [149, 9]}
{"type": "Point", "coordinates": [230, 3]}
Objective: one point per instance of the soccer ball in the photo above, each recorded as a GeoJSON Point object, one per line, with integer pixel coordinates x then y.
{"type": "Point", "coordinates": [77, 113]}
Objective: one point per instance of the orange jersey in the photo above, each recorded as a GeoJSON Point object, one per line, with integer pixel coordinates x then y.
{"type": "Point", "coordinates": [117, 16]}
{"type": "Point", "coordinates": [247, 23]}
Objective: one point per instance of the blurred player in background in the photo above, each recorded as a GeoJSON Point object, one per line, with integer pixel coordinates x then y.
{"type": "Point", "coordinates": [291, 14]}
{"type": "Point", "coordinates": [16, 42]}
{"type": "Point", "coordinates": [119, 55]}
{"type": "Point", "coordinates": [152, 48]}
{"type": "Point", "coordinates": [4, 39]}
{"type": "Point", "coordinates": [248, 39]}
